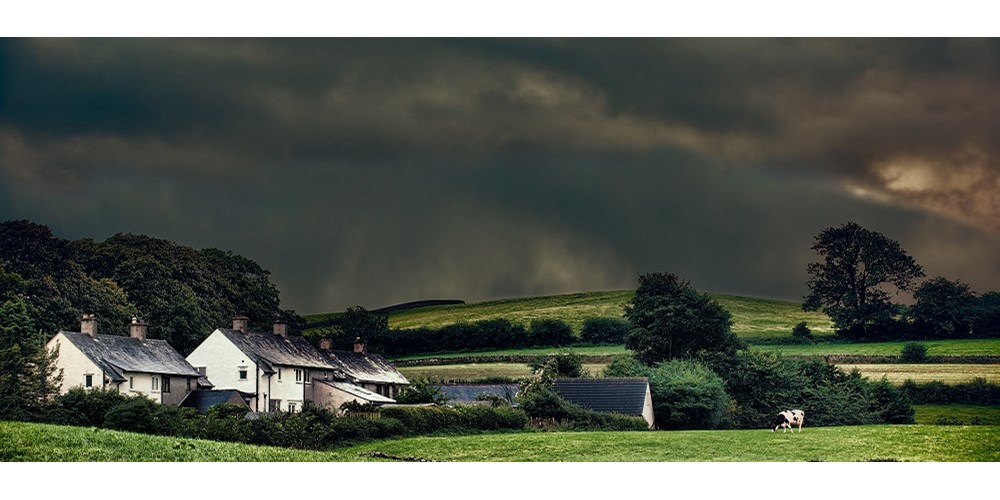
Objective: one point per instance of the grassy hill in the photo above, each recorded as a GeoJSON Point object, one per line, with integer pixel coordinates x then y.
{"type": "Point", "coordinates": [22, 442]}
{"type": "Point", "coordinates": [754, 318]}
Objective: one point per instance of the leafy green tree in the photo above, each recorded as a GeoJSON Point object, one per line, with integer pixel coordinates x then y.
{"type": "Point", "coordinates": [944, 309]}
{"type": "Point", "coordinates": [28, 378]}
{"type": "Point", "coordinates": [687, 395]}
{"type": "Point", "coordinates": [358, 322]}
{"type": "Point", "coordinates": [849, 284]}
{"type": "Point", "coordinates": [604, 331]}
{"type": "Point", "coordinates": [669, 319]}
{"type": "Point", "coordinates": [987, 323]}
{"type": "Point", "coordinates": [419, 392]}
{"type": "Point", "coordinates": [567, 364]}
{"type": "Point", "coordinates": [551, 332]}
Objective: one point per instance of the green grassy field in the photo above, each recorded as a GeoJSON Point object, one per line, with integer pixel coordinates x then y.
{"type": "Point", "coordinates": [929, 414]}
{"type": "Point", "coordinates": [947, 373]}
{"type": "Point", "coordinates": [941, 443]}
{"type": "Point", "coordinates": [754, 318]}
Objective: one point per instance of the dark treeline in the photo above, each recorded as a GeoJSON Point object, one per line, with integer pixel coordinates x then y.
{"type": "Point", "coordinates": [499, 333]}
{"type": "Point", "coordinates": [182, 293]}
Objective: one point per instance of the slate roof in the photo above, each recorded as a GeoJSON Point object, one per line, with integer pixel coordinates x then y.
{"type": "Point", "coordinates": [612, 395]}
{"type": "Point", "coordinates": [356, 391]}
{"type": "Point", "coordinates": [466, 393]}
{"type": "Point", "coordinates": [116, 355]}
{"type": "Point", "coordinates": [268, 349]}
{"type": "Point", "coordinates": [203, 400]}
{"type": "Point", "coordinates": [365, 367]}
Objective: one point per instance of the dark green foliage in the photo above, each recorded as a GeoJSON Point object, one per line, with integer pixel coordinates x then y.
{"type": "Point", "coordinates": [87, 408]}
{"type": "Point", "coordinates": [550, 332]}
{"type": "Point", "coordinates": [687, 395]}
{"type": "Point", "coordinates": [225, 422]}
{"type": "Point", "coordinates": [802, 332]}
{"type": "Point", "coordinates": [625, 366]}
{"type": "Point", "coordinates": [182, 293]}
{"type": "Point", "coordinates": [848, 283]}
{"type": "Point", "coordinates": [669, 319]}
{"type": "Point", "coordinates": [976, 392]}
{"type": "Point", "coordinates": [28, 378]}
{"type": "Point", "coordinates": [419, 392]}
{"type": "Point", "coordinates": [913, 352]}
{"type": "Point", "coordinates": [543, 405]}
{"type": "Point", "coordinates": [944, 309]}
{"type": "Point", "coordinates": [135, 415]}
{"type": "Point", "coordinates": [604, 331]}
{"type": "Point", "coordinates": [987, 320]}
{"type": "Point", "coordinates": [432, 419]}
{"type": "Point", "coordinates": [891, 403]}
{"type": "Point", "coordinates": [561, 365]}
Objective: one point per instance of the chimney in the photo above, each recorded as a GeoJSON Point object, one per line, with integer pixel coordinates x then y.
{"type": "Point", "coordinates": [359, 346]}
{"type": "Point", "coordinates": [240, 323]}
{"type": "Point", "coordinates": [325, 344]}
{"type": "Point", "coordinates": [88, 324]}
{"type": "Point", "coordinates": [137, 329]}
{"type": "Point", "coordinates": [281, 328]}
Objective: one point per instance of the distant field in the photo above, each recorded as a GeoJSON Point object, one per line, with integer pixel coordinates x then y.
{"type": "Point", "coordinates": [20, 442]}
{"type": "Point", "coordinates": [961, 347]}
{"type": "Point", "coordinates": [754, 318]}
{"type": "Point", "coordinates": [947, 373]}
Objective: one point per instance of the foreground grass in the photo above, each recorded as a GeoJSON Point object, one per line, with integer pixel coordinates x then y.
{"type": "Point", "coordinates": [930, 414]}
{"type": "Point", "coordinates": [925, 443]}
{"type": "Point", "coordinates": [947, 373]}
{"type": "Point", "coordinates": [941, 443]}
{"type": "Point", "coordinates": [23, 442]}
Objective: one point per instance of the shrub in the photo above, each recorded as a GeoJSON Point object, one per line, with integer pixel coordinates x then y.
{"type": "Point", "coordinates": [551, 332]}
{"type": "Point", "coordinates": [977, 392]}
{"type": "Point", "coordinates": [543, 403]}
{"type": "Point", "coordinates": [226, 422]}
{"type": "Point", "coordinates": [432, 419]}
{"type": "Point", "coordinates": [604, 331]}
{"type": "Point", "coordinates": [891, 403]}
{"type": "Point", "coordinates": [687, 395]}
{"type": "Point", "coordinates": [87, 408]}
{"type": "Point", "coordinates": [135, 415]}
{"type": "Point", "coordinates": [802, 332]}
{"type": "Point", "coordinates": [626, 366]}
{"type": "Point", "coordinates": [561, 365]}
{"type": "Point", "coordinates": [914, 352]}
{"type": "Point", "coordinates": [421, 392]}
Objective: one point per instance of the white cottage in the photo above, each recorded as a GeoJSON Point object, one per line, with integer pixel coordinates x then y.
{"type": "Point", "coordinates": [283, 371]}
{"type": "Point", "coordinates": [130, 365]}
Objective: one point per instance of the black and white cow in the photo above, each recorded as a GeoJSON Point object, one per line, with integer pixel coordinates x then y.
{"type": "Point", "coordinates": [787, 419]}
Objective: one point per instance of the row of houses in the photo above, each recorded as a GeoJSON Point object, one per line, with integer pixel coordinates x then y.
{"type": "Point", "coordinates": [268, 371]}
{"type": "Point", "coordinates": [277, 372]}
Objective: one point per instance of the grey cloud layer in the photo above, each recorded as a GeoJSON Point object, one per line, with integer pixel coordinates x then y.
{"type": "Point", "coordinates": [372, 171]}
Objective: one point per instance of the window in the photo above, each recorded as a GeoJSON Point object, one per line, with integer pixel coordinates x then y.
{"type": "Point", "coordinates": [131, 383]}
{"type": "Point", "coordinates": [279, 374]}
{"type": "Point", "coordinates": [202, 370]}
{"type": "Point", "coordinates": [275, 405]}
{"type": "Point", "coordinates": [189, 385]}
{"type": "Point", "coordinates": [166, 384]}
{"type": "Point", "coordinates": [298, 376]}
{"type": "Point", "coordinates": [291, 407]}
{"type": "Point", "coordinates": [88, 381]}
{"type": "Point", "coordinates": [243, 373]}
{"type": "Point", "coordinates": [308, 376]}
{"type": "Point", "coordinates": [156, 383]}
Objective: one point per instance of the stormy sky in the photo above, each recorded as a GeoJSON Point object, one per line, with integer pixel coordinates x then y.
{"type": "Point", "coordinates": [376, 171]}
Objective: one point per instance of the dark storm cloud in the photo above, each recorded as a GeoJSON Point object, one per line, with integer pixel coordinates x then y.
{"type": "Point", "coordinates": [373, 171]}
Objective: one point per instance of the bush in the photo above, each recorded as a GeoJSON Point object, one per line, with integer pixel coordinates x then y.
{"type": "Point", "coordinates": [87, 408]}
{"type": "Point", "coordinates": [891, 403]}
{"type": "Point", "coordinates": [561, 365]}
{"type": "Point", "coordinates": [551, 332]}
{"type": "Point", "coordinates": [976, 392]}
{"type": "Point", "coordinates": [544, 403]}
{"type": "Point", "coordinates": [135, 415]}
{"type": "Point", "coordinates": [802, 332]}
{"type": "Point", "coordinates": [433, 419]}
{"type": "Point", "coordinates": [687, 395]}
{"type": "Point", "coordinates": [914, 352]}
{"type": "Point", "coordinates": [604, 331]}
{"type": "Point", "coordinates": [420, 392]}
{"type": "Point", "coordinates": [626, 366]}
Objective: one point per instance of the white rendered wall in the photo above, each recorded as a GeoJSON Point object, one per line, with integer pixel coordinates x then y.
{"type": "Point", "coordinates": [74, 364]}
{"type": "Point", "coordinates": [222, 361]}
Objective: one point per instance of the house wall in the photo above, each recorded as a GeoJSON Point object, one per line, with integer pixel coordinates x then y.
{"type": "Point", "coordinates": [74, 365]}
{"type": "Point", "coordinates": [647, 409]}
{"type": "Point", "coordinates": [331, 398]}
{"type": "Point", "coordinates": [222, 361]}
{"type": "Point", "coordinates": [288, 390]}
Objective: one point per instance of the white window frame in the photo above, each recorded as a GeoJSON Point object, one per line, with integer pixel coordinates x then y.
{"type": "Point", "coordinates": [243, 373]}
{"type": "Point", "coordinates": [155, 383]}
{"type": "Point", "coordinates": [88, 380]}
{"type": "Point", "coordinates": [298, 376]}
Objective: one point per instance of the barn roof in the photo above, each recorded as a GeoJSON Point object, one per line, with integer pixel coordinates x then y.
{"type": "Point", "coordinates": [203, 400]}
{"type": "Point", "coordinates": [268, 349]}
{"type": "Point", "coordinates": [466, 393]}
{"type": "Point", "coordinates": [365, 367]}
{"type": "Point", "coordinates": [612, 395]}
{"type": "Point", "coordinates": [116, 355]}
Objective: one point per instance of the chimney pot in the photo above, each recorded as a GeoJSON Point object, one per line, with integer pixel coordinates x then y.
{"type": "Point", "coordinates": [88, 324]}
{"type": "Point", "coordinates": [359, 346]}
{"type": "Point", "coordinates": [281, 328]}
{"type": "Point", "coordinates": [325, 344]}
{"type": "Point", "coordinates": [240, 323]}
{"type": "Point", "coordinates": [138, 329]}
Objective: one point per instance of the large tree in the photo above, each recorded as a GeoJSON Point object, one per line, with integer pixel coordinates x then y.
{"type": "Point", "coordinates": [28, 377]}
{"type": "Point", "coordinates": [669, 319]}
{"type": "Point", "coordinates": [853, 282]}
{"type": "Point", "coordinates": [944, 309]}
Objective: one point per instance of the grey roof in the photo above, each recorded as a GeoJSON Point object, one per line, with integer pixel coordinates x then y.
{"type": "Point", "coordinates": [613, 395]}
{"type": "Point", "coordinates": [268, 349]}
{"type": "Point", "coordinates": [466, 393]}
{"type": "Point", "coordinates": [203, 400]}
{"type": "Point", "coordinates": [115, 355]}
{"type": "Point", "coordinates": [356, 391]}
{"type": "Point", "coordinates": [365, 367]}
